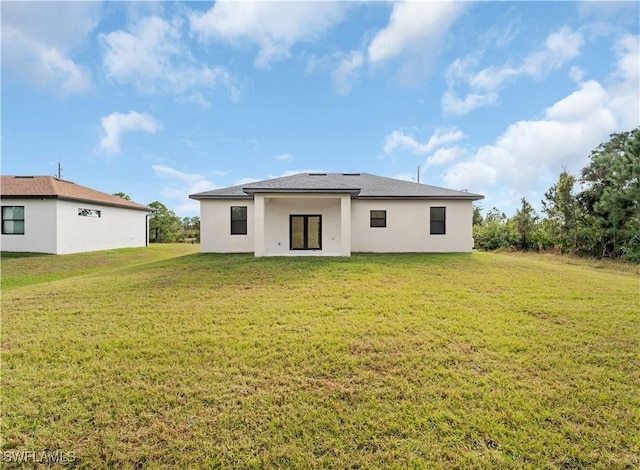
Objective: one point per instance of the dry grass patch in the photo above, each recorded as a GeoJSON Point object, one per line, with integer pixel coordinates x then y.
{"type": "Point", "coordinates": [462, 361]}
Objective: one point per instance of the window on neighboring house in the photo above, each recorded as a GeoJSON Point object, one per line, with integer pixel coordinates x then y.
{"type": "Point", "coordinates": [378, 218]}
{"type": "Point", "coordinates": [305, 232]}
{"type": "Point", "coordinates": [438, 220]}
{"type": "Point", "coordinates": [13, 220]}
{"type": "Point", "coordinates": [88, 212]}
{"type": "Point", "coordinates": [238, 220]}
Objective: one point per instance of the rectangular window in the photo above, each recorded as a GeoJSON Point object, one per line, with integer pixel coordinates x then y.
{"type": "Point", "coordinates": [438, 220]}
{"type": "Point", "coordinates": [88, 212]}
{"type": "Point", "coordinates": [13, 220]}
{"type": "Point", "coordinates": [305, 232]}
{"type": "Point", "coordinates": [238, 220]}
{"type": "Point", "coordinates": [378, 219]}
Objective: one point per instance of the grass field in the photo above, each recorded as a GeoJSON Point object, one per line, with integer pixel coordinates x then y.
{"type": "Point", "coordinates": [166, 358]}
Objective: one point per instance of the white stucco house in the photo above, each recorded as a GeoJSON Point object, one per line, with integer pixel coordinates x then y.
{"type": "Point", "coordinates": [335, 214]}
{"type": "Point", "coordinates": [44, 214]}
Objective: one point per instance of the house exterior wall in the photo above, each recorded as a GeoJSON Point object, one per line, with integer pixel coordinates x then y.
{"type": "Point", "coordinates": [408, 228]}
{"type": "Point", "coordinates": [40, 234]}
{"type": "Point", "coordinates": [215, 227]}
{"type": "Point", "coordinates": [276, 214]}
{"type": "Point", "coordinates": [115, 228]}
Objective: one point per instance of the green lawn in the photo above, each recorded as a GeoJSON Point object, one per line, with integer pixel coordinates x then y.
{"type": "Point", "coordinates": [166, 358]}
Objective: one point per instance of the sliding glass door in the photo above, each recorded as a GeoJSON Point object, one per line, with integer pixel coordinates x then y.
{"type": "Point", "coordinates": [305, 232]}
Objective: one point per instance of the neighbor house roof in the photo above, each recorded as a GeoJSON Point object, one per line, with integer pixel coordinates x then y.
{"type": "Point", "coordinates": [359, 185]}
{"type": "Point", "coordinates": [13, 187]}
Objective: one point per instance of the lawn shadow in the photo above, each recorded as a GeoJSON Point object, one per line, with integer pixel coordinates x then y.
{"type": "Point", "coordinates": [22, 254]}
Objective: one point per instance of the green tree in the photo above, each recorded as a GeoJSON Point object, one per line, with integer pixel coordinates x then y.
{"type": "Point", "coordinates": [561, 206]}
{"type": "Point", "coordinates": [611, 197]}
{"type": "Point", "coordinates": [494, 232]}
{"type": "Point", "coordinates": [477, 215]}
{"type": "Point", "coordinates": [525, 224]}
{"type": "Point", "coordinates": [191, 228]}
{"type": "Point", "coordinates": [195, 223]}
{"type": "Point", "coordinates": [164, 225]}
{"type": "Point", "coordinates": [122, 195]}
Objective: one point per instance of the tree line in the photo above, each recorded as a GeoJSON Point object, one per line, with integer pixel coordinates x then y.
{"type": "Point", "coordinates": [596, 214]}
{"type": "Point", "coordinates": [166, 227]}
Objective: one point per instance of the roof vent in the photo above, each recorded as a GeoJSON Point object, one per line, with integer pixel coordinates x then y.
{"type": "Point", "coordinates": [350, 174]}
{"type": "Point", "coordinates": [317, 174]}
{"type": "Point", "coordinates": [24, 176]}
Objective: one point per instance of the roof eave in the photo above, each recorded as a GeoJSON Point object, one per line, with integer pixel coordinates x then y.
{"type": "Point", "coordinates": [251, 191]}
{"type": "Point", "coordinates": [470, 197]}
{"type": "Point", "coordinates": [200, 197]}
{"type": "Point", "coordinates": [139, 207]}
{"type": "Point", "coordinates": [66, 198]}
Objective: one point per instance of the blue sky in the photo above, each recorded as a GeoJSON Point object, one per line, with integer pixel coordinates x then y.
{"type": "Point", "coordinates": [164, 99]}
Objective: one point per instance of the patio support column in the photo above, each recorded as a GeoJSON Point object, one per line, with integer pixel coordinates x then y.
{"type": "Point", "coordinates": [258, 220]}
{"type": "Point", "coordinates": [345, 225]}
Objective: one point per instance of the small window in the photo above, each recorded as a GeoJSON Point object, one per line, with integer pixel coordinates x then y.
{"type": "Point", "coordinates": [438, 220]}
{"type": "Point", "coordinates": [238, 220]}
{"type": "Point", "coordinates": [88, 212]}
{"type": "Point", "coordinates": [13, 220]}
{"type": "Point", "coordinates": [378, 218]}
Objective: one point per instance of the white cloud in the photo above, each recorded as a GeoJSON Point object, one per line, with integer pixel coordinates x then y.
{"type": "Point", "coordinates": [344, 68]}
{"type": "Point", "coordinates": [284, 157]}
{"type": "Point", "coordinates": [153, 57]}
{"type": "Point", "coordinates": [413, 25]}
{"type": "Point", "coordinates": [274, 26]}
{"type": "Point", "coordinates": [560, 47]}
{"type": "Point", "coordinates": [446, 155]}
{"type": "Point", "coordinates": [492, 77]}
{"type": "Point", "coordinates": [527, 151]}
{"type": "Point", "coordinates": [609, 10]}
{"type": "Point", "coordinates": [346, 72]}
{"type": "Point", "coordinates": [624, 99]}
{"type": "Point", "coordinates": [398, 141]}
{"type": "Point", "coordinates": [39, 39]}
{"type": "Point", "coordinates": [116, 124]}
{"type": "Point", "coordinates": [574, 107]}
{"type": "Point", "coordinates": [451, 104]}
{"type": "Point", "coordinates": [576, 74]}
{"type": "Point", "coordinates": [180, 186]}
{"type": "Point", "coordinates": [527, 157]}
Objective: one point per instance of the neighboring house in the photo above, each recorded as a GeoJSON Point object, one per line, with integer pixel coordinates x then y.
{"type": "Point", "coordinates": [334, 214]}
{"type": "Point", "coordinates": [44, 214]}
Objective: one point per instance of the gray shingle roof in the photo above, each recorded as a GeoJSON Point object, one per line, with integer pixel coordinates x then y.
{"type": "Point", "coordinates": [360, 185]}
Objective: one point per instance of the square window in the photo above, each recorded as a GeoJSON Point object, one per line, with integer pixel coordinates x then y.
{"type": "Point", "coordinates": [378, 219]}
{"type": "Point", "coordinates": [13, 220]}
